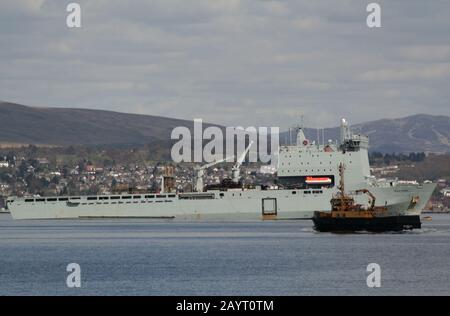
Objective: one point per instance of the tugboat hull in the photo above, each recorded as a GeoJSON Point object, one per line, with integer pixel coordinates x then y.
{"type": "Point", "coordinates": [377, 224]}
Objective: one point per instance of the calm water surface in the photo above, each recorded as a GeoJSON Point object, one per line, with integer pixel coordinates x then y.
{"type": "Point", "coordinates": [147, 257]}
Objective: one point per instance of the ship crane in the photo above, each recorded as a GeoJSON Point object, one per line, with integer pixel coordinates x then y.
{"type": "Point", "coordinates": [237, 166]}
{"type": "Point", "coordinates": [371, 196]}
{"type": "Point", "coordinates": [200, 172]}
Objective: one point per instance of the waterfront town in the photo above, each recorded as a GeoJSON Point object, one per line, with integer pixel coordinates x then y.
{"type": "Point", "coordinates": [38, 171]}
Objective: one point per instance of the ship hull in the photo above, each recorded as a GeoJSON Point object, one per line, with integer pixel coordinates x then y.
{"type": "Point", "coordinates": [214, 205]}
{"type": "Point", "coordinates": [377, 224]}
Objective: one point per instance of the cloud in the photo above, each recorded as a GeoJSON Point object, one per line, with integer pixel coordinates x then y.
{"type": "Point", "coordinates": [437, 53]}
{"type": "Point", "coordinates": [224, 59]}
{"type": "Point", "coordinates": [21, 7]}
{"type": "Point", "coordinates": [410, 73]}
{"type": "Point", "coordinates": [305, 24]}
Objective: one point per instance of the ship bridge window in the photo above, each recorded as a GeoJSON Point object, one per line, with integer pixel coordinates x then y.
{"type": "Point", "coordinates": [115, 197]}
{"type": "Point", "coordinates": [51, 200]}
{"type": "Point", "coordinates": [317, 192]}
{"type": "Point", "coordinates": [161, 196]}
{"type": "Point", "coordinates": [126, 197]}
{"type": "Point", "coordinates": [63, 199]}
{"type": "Point", "coordinates": [92, 198]}
{"type": "Point", "coordinates": [149, 196]}
{"type": "Point", "coordinates": [171, 195]}
{"type": "Point", "coordinates": [75, 198]}
{"type": "Point", "coordinates": [294, 192]}
{"type": "Point", "coordinates": [40, 200]}
{"type": "Point", "coordinates": [103, 197]}
{"type": "Point", "coordinates": [307, 192]}
{"type": "Point", "coordinates": [29, 200]}
{"type": "Point", "coordinates": [136, 197]}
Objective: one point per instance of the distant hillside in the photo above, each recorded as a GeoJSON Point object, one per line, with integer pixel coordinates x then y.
{"type": "Point", "coordinates": [21, 124]}
{"type": "Point", "coordinates": [63, 126]}
{"type": "Point", "coordinates": [414, 133]}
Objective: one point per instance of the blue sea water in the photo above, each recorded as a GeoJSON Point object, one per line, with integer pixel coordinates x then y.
{"type": "Point", "coordinates": [148, 257]}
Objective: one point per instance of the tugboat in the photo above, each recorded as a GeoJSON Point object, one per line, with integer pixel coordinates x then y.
{"type": "Point", "coordinates": [346, 216]}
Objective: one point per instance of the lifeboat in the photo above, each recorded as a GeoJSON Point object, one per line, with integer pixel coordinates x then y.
{"type": "Point", "coordinates": [318, 180]}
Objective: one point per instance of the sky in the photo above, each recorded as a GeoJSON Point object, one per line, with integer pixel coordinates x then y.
{"type": "Point", "coordinates": [232, 62]}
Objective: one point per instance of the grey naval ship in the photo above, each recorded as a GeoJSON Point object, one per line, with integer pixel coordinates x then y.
{"type": "Point", "coordinates": [308, 177]}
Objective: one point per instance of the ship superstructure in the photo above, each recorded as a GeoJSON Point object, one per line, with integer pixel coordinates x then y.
{"type": "Point", "coordinates": [307, 177]}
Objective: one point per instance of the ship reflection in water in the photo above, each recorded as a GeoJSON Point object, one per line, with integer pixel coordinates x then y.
{"type": "Point", "coordinates": [167, 257]}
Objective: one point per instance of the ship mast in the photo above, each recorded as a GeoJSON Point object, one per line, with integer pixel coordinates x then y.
{"type": "Point", "coordinates": [341, 180]}
{"type": "Point", "coordinates": [301, 138]}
